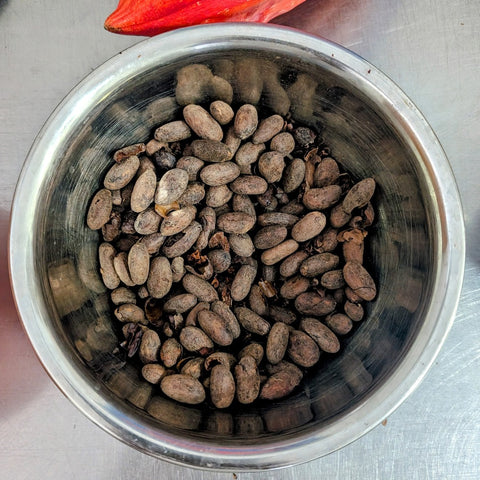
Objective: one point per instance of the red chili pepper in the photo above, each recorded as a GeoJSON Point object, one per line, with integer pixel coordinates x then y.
{"type": "Point", "coordinates": [150, 17]}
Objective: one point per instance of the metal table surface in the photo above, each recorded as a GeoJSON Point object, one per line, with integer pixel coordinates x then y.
{"type": "Point", "coordinates": [431, 49]}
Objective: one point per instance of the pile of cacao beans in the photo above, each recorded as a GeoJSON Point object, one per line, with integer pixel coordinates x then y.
{"type": "Point", "coordinates": [233, 248]}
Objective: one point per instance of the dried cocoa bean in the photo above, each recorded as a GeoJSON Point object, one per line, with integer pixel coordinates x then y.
{"type": "Point", "coordinates": [359, 195]}
{"type": "Point", "coordinates": [326, 241]}
{"type": "Point", "coordinates": [271, 165]}
{"type": "Point", "coordinates": [245, 121]}
{"type": "Point", "coordinates": [319, 264]}
{"type": "Point", "coordinates": [139, 263]}
{"type": "Point", "coordinates": [268, 128]}
{"type": "Point", "coordinates": [243, 203]}
{"type": "Point", "coordinates": [291, 265]}
{"type": "Point", "coordinates": [215, 327]}
{"type": "Point", "coordinates": [243, 282]}
{"type": "Point", "coordinates": [332, 280]}
{"type": "Point", "coordinates": [221, 309]}
{"type": "Point", "coordinates": [200, 288]}
{"type": "Point", "coordinates": [100, 209]}
{"type": "Point", "coordinates": [359, 280]}
{"type": "Point", "coordinates": [192, 367]}
{"type": "Point", "coordinates": [338, 216]}
{"type": "Point", "coordinates": [180, 247]}
{"type": "Point", "coordinates": [248, 154]}
{"type": "Point", "coordinates": [294, 175]}
{"type": "Point", "coordinates": [120, 174]}
{"type": "Point", "coordinates": [123, 295]}
{"type": "Point", "coordinates": [159, 281]}
{"type": "Point", "coordinates": [277, 342]}
{"type": "Point", "coordinates": [180, 303]}
{"type": "Point", "coordinates": [147, 222]}
{"type": "Point", "coordinates": [130, 313]}
{"type": "Point", "coordinates": [220, 260]}
{"type": "Point", "coordinates": [282, 314]}
{"type": "Point", "coordinates": [120, 263]}
{"type": "Point", "coordinates": [311, 303]}
{"type": "Point", "coordinates": [211, 151]}
{"type": "Point", "coordinates": [254, 350]}
{"type": "Point", "coordinates": [249, 185]}
{"type": "Point", "coordinates": [326, 173]}
{"type": "Point", "coordinates": [232, 142]}
{"type": "Point", "coordinates": [183, 389]}
{"type": "Point", "coordinates": [269, 237]}
{"type": "Point", "coordinates": [339, 323]}
{"type": "Point", "coordinates": [235, 222]}
{"type": "Point", "coordinates": [294, 286]}
{"type": "Point", "coordinates": [202, 123]}
{"type": "Point", "coordinates": [309, 226]}
{"type": "Point", "coordinates": [171, 186]}
{"type": "Point", "coordinates": [222, 386]}
{"type": "Point", "coordinates": [322, 198]}
{"type": "Point", "coordinates": [247, 379]}
{"type": "Point", "coordinates": [173, 132]}
{"type": "Point", "coordinates": [218, 196]}
{"type": "Point", "coordinates": [283, 143]}
{"type": "Point", "coordinates": [106, 256]}
{"type": "Point", "coordinates": [302, 349]}
{"type": "Point", "coordinates": [257, 301]}
{"type": "Point", "coordinates": [153, 242]}
{"type": "Point", "coordinates": [178, 220]}
{"type": "Point", "coordinates": [192, 165]}
{"type": "Point", "coordinates": [154, 373]}
{"type": "Point", "coordinates": [354, 311]}
{"type": "Point", "coordinates": [278, 253]}
{"type": "Point", "coordinates": [323, 336]}
{"type": "Point", "coordinates": [170, 352]}
{"type": "Point", "coordinates": [222, 112]}
{"type": "Point", "coordinates": [195, 340]}
{"type": "Point", "coordinates": [149, 347]}
{"type": "Point", "coordinates": [252, 322]}
{"type": "Point", "coordinates": [241, 244]}
{"type": "Point", "coordinates": [279, 385]}
{"type": "Point", "coordinates": [143, 191]}
{"type": "Point", "coordinates": [277, 218]}
{"type": "Point", "coordinates": [221, 174]}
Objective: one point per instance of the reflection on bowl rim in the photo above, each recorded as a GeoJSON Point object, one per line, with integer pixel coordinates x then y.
{"type": "Point", "coordinates": [305, 446]}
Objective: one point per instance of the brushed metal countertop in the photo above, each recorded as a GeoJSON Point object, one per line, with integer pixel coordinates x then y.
{"type": "Point", "coordinates": [431, 49]}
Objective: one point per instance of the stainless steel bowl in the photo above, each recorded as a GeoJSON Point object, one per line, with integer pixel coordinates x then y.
{"type": "Point", "coordinates": [417, 251]}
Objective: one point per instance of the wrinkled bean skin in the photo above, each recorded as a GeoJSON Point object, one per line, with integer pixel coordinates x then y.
{"type": "Point", "coordinates": [120, 174]}
{"type": "Point", "coordinates": [322, 198]}
{"type": "Point", "coordinates": [215, 327]}
{"type": "Point", "coordinates": [321, 334]}
{"type": "Point", "coordinates": [359, 280]}
{"type": "Point", "coordinates": [222, 386]}
{"type": "Point", "coordinates": [200, 288]}
{"type": "Point", "coordinates": [100, 209]}
{"type": "Point", "coordinates": [302, 349]}
{"type": "Point", "coordinates": [183, 388]}
{"type": "Point", "coordinates": [242, 283]}
{"type": "Point", "coordinates": [159, 281]}
{"type": "Point", "coordinates": [310, 303]}
{"type": "Point", "coordinates": [277, 343]}
{"type": "Point", "coordinates": [247, 379]}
